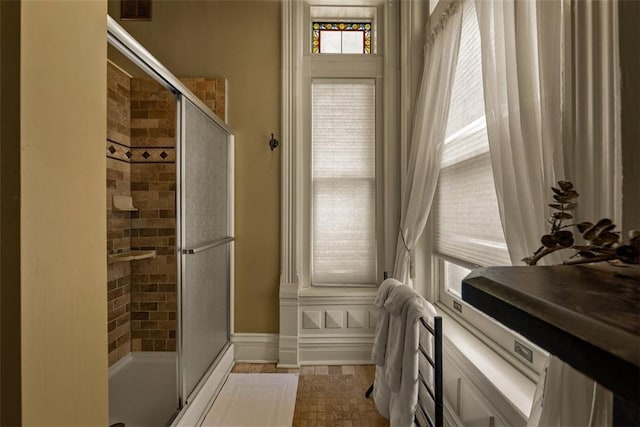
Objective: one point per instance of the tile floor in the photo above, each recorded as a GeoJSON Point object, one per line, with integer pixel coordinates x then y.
{"type": "Point", "coordinates": [328, 395]}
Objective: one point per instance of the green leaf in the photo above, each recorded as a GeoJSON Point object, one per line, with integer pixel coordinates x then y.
{"type": "Point", "coordinates": [607, 237]}
{"type": "Point", "coordinates": [566, 198]}
{"type": "Point", "coordinates": [584, 226]}
{"type": "Point", "coordinates": [571, 194]}
{"type": "Point", "coordinates": [591, 232]}
{"type": "Point", "coordinates": [564, 238]}
{"type": "Point", "coordinates": [563, 206]}
{"type": "Point", "coordinates": [586, 254]}
{"type": "Point", "coordinates": [562, 215]}
{"type": "Point", "coordinates": [565, 185]}
{"type": "Point", "coordinates": [583, 247]}
{"type": "Point", "coordinates": [548, 241]}
{"type": "Point", "coordinates": [603, 222]}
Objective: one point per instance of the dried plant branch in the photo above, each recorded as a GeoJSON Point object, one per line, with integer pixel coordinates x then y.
{"type": "Point", "coordinates": [602, 241]}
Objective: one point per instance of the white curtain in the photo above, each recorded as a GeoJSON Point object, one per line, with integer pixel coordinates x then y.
{"type": "Point", "coordinates": [594, 150]}
{"type": "Point", "coordinates": [540, 117]}
{"type": "Point", "coordinates": [515, 112]}
{"type": "Point", "coordinates": [427, 137]}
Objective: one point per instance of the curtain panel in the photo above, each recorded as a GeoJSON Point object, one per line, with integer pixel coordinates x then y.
{"type": "Point", "coordinates": [550, 82]}
{"type": "Point", "coordinates": [427, 137]}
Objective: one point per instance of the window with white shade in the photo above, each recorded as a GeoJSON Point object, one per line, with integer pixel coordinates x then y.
{"type": "Point", "coordinates": [343, 176]}
{"type": "Point", "coordinates": [344, 218]}
{"type": "Point", "coordinates": [467, 227]}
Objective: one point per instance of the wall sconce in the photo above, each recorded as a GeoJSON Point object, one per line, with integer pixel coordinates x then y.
{"type": "Point", "coordinates": [273, 143]}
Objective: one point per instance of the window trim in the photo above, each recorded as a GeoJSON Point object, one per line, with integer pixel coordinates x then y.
{"type": "Point", "coordinates": [365, 32]}
{"type": "Point", "coordinates": [295, 293]}
{"type": "Point", "coordinates": [377, 178]}
{"type": "Point", "coordinates": [347, 13]}
{"type": "Point", "coordinates": [345, 67]}
{"type": "Point", "coordinates": [491, 333]}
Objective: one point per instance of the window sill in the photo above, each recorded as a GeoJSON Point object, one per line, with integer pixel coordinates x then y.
{"type": "Point", "coordinates": [342, 291]}
{"type": "Point", "coordinates": [487, 366]}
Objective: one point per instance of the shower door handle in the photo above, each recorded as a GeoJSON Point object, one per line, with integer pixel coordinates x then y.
{"type": "Point", "coordinates": [206, 246]}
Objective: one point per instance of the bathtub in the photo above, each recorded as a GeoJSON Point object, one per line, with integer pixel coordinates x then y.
{"type": "Point", "coordinates": [142, 389]}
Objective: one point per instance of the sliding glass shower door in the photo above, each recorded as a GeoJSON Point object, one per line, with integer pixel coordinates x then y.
{"type": "Point", "coordinates": [205, 244]}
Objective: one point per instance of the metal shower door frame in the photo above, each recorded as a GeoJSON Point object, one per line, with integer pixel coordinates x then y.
{"type": "Point", "coordinates": [182, 251]}
{"type": "Point", "coordinates": [135, 52]}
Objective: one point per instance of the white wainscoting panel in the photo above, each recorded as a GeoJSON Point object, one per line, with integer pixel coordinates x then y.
{"type": "Point", "coordinates": [357, 319]}
{"type": "Point", "coordinates": [311, 319]}
{"type": "Point", "coordinates": [334, 319]}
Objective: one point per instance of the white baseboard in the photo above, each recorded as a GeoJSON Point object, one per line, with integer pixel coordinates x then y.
{"type": "Point", "coordinates": [313, 350]}
{"type": "Point", "coordinates": [255, 348]}
{"type": "Point", "coordinates": [336, 350]}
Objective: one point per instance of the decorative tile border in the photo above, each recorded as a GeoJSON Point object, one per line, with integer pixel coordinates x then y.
{"type": "Point", "coordinates": [117, 151]}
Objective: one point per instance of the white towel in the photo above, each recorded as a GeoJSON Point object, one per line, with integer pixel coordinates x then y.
{"type": "Point", "coordinates": [382, 324]}
{"type": "Point", "coordinates": [398, 304]}
{"type": "Point", "coordinates": [396, 384]}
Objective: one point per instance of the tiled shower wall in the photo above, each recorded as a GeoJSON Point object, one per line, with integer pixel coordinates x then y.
{"type": "Point", "coordinates": [151, 157]}
{"type": "Point", "coordinates": [153, 185]}
{"type": "Point", "coordinates": [118, 223]}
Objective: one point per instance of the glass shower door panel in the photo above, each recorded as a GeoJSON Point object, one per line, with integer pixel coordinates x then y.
{"type": "Point", "coordinates": [205, 244]}
{"type": "Point", "coordinates": [206, 178]}
{"type": "Point", "coordinates": [207, 315]}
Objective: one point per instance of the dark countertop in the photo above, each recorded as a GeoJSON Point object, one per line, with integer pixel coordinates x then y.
{"type": "Point", "coordinates": [588, 316]}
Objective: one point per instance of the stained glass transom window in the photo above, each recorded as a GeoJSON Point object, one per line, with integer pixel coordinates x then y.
{"type": "Point", "coordinates": [341, 37]}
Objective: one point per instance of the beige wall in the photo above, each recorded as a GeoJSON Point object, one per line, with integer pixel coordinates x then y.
{"type": "Point", "coordinates": [63, 224]}
{"type": "Point", "coordinates": [238, 40]}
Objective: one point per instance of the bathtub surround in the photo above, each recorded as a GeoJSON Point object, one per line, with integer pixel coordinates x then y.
{"type": "Point", "coordinates": [143, 374]}
{"type": "Point", "coordinates": [141, 155]}
{"type": "Point", "coordinates": [118, 223]}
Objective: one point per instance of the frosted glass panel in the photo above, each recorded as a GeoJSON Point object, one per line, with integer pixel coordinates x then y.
{"type": "Point", "coordinates": [206, 178]}
{"type": "Point", "coordinates": [330, 42]}
{"type": "Point", "coordinates": [204, 274]}
{"type": "Point", "coordinates": [205, 311]}
{"type": "Point", "coordinates": [353, 42]}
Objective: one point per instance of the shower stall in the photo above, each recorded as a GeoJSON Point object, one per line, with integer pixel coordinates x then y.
{"type": "Point", "coordinates": [168, 386]}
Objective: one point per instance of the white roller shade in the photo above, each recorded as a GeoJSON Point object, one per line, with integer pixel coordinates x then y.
{"type": "Point", "coordinates": [343, 182]}
{"type": "Point", "coordinates": [467, 220]}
